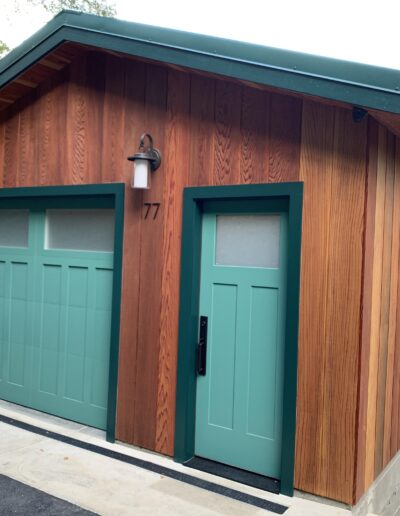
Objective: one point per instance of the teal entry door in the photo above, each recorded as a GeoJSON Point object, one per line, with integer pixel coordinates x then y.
{"type": "Point", "coordinates": [56, 270]}
{"type": "Point", "coordinates": [239, 392]}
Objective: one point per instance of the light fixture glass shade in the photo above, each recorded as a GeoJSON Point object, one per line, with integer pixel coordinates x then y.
{"type": "Point", "coordinates": [141, 174]}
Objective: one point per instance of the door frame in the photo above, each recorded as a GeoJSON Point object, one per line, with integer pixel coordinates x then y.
{"type": "Point", "coordinates": [93, 195]}
{"type": "Point", "coordinates": [193, 200]}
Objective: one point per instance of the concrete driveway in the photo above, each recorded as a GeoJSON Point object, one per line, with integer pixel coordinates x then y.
{"type": "Point", "coordinates": [105, 485]}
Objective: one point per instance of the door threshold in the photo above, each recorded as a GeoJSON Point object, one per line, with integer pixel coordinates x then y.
{"type": "Point", "coordinates": [238, 475]}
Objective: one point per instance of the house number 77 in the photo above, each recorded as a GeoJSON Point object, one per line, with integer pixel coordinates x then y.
{"type": "Point", "coordinates": [148, 206]}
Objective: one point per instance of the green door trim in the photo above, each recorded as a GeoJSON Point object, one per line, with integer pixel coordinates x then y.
{"type": "Point", "coordinates": [193, 200]}
{"type": "Point", "coordinates": [110, 195]}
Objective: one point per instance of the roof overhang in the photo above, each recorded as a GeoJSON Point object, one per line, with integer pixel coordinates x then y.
{"type": "Point", "coordinates": [356, 84]}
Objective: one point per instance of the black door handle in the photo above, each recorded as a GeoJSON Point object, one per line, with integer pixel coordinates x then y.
{"type": "Point", "coordinates": [202, 346]}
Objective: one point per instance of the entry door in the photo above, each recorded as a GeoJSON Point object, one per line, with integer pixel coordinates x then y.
{"type": "Point", "coordinates": [56, 269]}
{"type": "Point", "coordinates": [242, 294]}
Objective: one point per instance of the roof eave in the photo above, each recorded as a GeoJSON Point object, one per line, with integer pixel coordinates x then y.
{"type": "Point", "coordinates": [352, 83]}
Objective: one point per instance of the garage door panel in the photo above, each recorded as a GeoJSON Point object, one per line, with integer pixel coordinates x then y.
{"type": "Point", "coordinates": [70, 409]}
{"type": "Point", "coordinates": [103, 278]}
{"type": "Point", "coordinates": [75, 340]}
{"type": "Point", "coordinates": [18, 325]}
{"type": "Point", "coordinates": [77, 309]}
{"type": "Point", "coordinates": [74, 378]}
{"type": "Point", "coordinates": [15, 330]}
{"type": "Point", "coordinates": [99, 389]}
{"type": "Point", "coordinates": [50, 308]}
{"type": "Point", "coordinates": [3, 328]}
{"type": "Point", "coordinates": [57, 307]}
{"type": "Point", "coordinates": [48, 334]}
{"type": "Point", "coordinates": [101, 329]}
{"type": "Point", "coordinates": [76, 336]}
{"type": "Point", "coordinates": [78, 277]}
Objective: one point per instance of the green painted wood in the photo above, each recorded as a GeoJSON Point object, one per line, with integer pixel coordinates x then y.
{"type": "Point", "coordinates": [69, 194]}
{"type": "Point", "coordinates": [56, 309]}
{"type": "Point", "coordinates": [292, 333]}
{"type": "Point", "coordinates": [107, 195]}
{"type": "Point", "coordinates": [239, 402]}
{"type": "Point", "coordinates": [15, 327]}
{"type": "Point", "coordinates": [188, 321]}
{"type": "Point", "coordinates": [195, 201]}
{"type": "Point", "coordinates": [118, 204]}
{"type": "Point", "coordinates": [16, 318]}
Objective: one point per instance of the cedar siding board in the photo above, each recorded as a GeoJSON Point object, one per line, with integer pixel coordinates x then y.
{"type": "Point", "coordinates": [333, 171]}
{"type": "Point", "coordinates": [378, 439]}
{"type": "Point", "coordinates": [78, 127]}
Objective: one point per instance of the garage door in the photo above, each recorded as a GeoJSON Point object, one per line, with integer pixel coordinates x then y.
{"type": "Point", "coordinates": [56, 270]}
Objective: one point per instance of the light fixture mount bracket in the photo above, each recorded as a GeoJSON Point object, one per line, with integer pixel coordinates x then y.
{"type": "Point", "coordinates": [147, 152]}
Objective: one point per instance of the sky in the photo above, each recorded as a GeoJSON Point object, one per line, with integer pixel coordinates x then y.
{"type": "Point", "coordinates": [365, 31]}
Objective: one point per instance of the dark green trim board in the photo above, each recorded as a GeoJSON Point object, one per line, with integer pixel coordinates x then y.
{"type": "Point", "coordinates": [116, 313]}
{"type": "Point", "coordinates": [292, 333]}
{"type": "Point", "coordinates": [95, 195]}
{"type": "Point", "coordinates": [69, 191]}
{"type": "Point", "coordinates": [353, 83]}
{"type": "Point", "coordinates": [188, 324]}
{"type": "Point", "coordinates": [196, 200]}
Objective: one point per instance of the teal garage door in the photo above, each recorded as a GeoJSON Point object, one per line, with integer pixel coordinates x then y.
{"type": "Point", "coordinates": [56, 270]}
{"type": "Point", "coordinates": [242, 303]}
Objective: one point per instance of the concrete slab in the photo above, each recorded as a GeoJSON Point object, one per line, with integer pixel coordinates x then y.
{"type": "Point", "coordinates": [110, 487]}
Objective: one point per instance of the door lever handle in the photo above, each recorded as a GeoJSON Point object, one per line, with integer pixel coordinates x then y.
{"type": "Point", "coordinates": [202, 346]}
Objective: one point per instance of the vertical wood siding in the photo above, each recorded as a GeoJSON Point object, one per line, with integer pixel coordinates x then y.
{"type": "Point", "coordinates": [379, 438]}
{"type": "Point", "coordinates": [80, 126]}
{"type": "Point", "coordinates": [177, 163]}
{"type": "Point", "coordinates": [333, 164]}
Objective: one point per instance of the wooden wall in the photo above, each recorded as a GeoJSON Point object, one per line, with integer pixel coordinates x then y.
{"type": "Point", "coordinates": [80, 126]}
{"type": "Point", "coordinates": [379, 413]}
{"type": "Point", "coordinates": [332, 166]}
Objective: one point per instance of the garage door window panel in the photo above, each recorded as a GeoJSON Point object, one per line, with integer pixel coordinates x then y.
{"type": "Point", "coordinates": [80, 230]}
{"type": "Point", "coordinates": [14, 228]}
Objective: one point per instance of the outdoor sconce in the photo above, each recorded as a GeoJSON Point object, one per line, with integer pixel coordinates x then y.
{"type": "Point", "coordinates": [145, 161]}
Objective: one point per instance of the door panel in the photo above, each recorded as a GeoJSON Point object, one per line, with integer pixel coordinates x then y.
{"type": "Point", "coordinates": [221, 379]}
{"type": "Point", "coordinates": [262, 359]}
{"type": "Point", "coordinates": [56, 308]}
{"type": "Point", "coordinates": [16, 305]}
{"type": "Point", "coordinates": [239, 400]}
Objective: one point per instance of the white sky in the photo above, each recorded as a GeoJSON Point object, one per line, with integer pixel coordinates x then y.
{"type": "Point", "coordinates": [366, 31]}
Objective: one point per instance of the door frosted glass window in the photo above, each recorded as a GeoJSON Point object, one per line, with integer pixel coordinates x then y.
{"type": "Point", "coordinates": [14, 225]}
{"type": "Point", "coordinates": [80, 230]}
{"type": "Point", "coordinates": [248, 240]}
